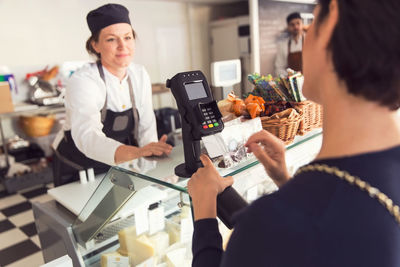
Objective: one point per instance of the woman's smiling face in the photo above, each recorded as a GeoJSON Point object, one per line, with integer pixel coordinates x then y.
{"type": "Point", "coordinates": [116, 46]}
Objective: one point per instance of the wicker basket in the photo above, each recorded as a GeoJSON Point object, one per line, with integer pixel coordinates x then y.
{"type": "Point", "coordinates": [283, 125]}
{"type": "Point", "coordinates": [311, 116]}
{"type": "Point", "coordinates": [35, 126]}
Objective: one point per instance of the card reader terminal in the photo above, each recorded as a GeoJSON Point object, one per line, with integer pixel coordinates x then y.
{"type": "Point", "coordinates": [200, 117]}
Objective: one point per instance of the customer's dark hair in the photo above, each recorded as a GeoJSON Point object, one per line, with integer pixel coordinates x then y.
{"type": "Point", "coordinates": [95, 38]}
{"type": "Point", "coordinates": [365, 48]}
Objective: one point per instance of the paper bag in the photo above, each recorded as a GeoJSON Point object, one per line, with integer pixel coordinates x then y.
{"type": "Point", "coordinates": [6, 104]}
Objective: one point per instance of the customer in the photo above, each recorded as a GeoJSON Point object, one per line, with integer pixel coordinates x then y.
{"type": "Point", "coordinates": [110, 116]}
{"type": "Point", "coordinates": [289, 50]}
{"type": "Point", "coordinates": [352, 68]}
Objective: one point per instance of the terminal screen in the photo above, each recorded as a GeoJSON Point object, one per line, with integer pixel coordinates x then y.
{"type": "Point", "coordinates": [227, 72]}
{"type": "Point", "coordinates": [195, 90]}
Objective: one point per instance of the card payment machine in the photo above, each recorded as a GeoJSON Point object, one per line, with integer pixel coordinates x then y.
{"type": "Point", "coordinates": [200, 117]}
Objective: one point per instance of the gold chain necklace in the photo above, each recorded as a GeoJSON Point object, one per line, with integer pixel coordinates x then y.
{"type": "Point", "coordinates": [354, 180]}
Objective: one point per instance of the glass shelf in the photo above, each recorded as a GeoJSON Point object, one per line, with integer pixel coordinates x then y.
{"type": "Point", "coordinates": [163, 169]}
{"type": "Point", "coordinates": [31, 109]}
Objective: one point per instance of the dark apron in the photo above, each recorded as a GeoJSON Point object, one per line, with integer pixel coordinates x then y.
{"type": "Point", "coordinates": [120, 126]}
{"type": "Point", "coordinates": [295, 61]}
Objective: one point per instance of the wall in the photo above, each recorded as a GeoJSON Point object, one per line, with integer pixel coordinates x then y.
{"type": "Point", "coordinates": [272, 26]}
{"type": "Point", "coordinates": [172, 36]}
{"type": "Point", "coordinates": [41, 32]}
{"type": "Point", "coordinates": [37, 33]}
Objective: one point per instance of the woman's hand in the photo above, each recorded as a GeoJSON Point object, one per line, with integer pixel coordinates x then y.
{"type": "Point", "coordinates": [270, 151]}
{"type": "Point", "coordinates": [126, 153]}
{"type": "Point", "coordinates": [204, 186]}
{"type": "Point", "coordinates": [156, 148]}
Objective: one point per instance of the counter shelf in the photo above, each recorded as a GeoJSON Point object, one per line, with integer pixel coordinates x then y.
{"type": "Point", "coordinates": [112, 205]}
{"type": "Point", "coordinates": [24, 181]}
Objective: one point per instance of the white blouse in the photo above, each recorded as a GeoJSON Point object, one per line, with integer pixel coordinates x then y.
{"type": "Point", "coordinates": [85, 97]}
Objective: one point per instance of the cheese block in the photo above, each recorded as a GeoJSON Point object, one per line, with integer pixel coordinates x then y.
{"type": "Point", "coordinates": [114, 259]}
{"type": "Point", "coordinates": [176, 258]}
{"type": "Point", "coordinates": [126, 236]}
{"type": "Point", "coordinates": [174, 232]}
{"type": "Point", "coordinates": [140, 249]}
{"type": "Point", "coordinates": [186, 212]}
{"type": "Point", "coordinates": [160, 241]}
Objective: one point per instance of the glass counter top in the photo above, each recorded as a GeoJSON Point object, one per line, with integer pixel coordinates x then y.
{"type": "Point", "coordinates": [163, 170]}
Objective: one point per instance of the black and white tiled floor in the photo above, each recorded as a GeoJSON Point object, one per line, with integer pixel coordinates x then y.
{"type": "Point", "coordinates": [19, 242]}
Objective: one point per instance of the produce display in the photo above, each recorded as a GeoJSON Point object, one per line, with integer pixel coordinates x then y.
{"type": "Point", "coordinates": [269, 96]}
{"type": "Point", "coordinates": [278, 101]}
{"type": "Point", "coordinates": [272, 89]}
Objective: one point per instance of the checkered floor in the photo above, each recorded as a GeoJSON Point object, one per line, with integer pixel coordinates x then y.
{"type": "Point", "coordinates": [19, 242]}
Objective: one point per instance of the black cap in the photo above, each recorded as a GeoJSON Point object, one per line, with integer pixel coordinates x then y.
{"type": "Point", "coordinates": [107, 15]}
{"type": "Point", "coordinates": [295, 15]}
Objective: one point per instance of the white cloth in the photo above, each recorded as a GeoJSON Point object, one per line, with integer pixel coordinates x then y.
{"type": "Point", "coordinates": [281, 60]}
{"type": "Point", "coordinates": [85, 97]}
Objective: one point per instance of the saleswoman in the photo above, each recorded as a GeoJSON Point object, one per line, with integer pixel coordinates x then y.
{"type": "Point", "coordinates": [110, 119]}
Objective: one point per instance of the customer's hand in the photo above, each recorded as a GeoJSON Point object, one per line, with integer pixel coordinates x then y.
{"type": "Point", "coordinates": [204, 186]}
{"type": "Point", "coordinates": [270, 151]}
{"type": "Point", "coordinates": [156, 148]}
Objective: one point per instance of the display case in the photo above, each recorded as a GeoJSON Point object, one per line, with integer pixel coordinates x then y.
{"type": "Point", "coordinates": [143, 216]}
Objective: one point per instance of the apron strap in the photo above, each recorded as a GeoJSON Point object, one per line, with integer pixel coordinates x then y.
{"type": "Point", "coordinates": [134, 111]}
{"type": "Point", "coordinates": [104, 109]}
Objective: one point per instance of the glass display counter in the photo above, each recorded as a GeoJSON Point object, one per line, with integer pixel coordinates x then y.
{"type": "Point", "coordinates": [146, 216]}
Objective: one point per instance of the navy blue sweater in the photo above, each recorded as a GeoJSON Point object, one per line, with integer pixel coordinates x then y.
{"type": "Point", "coordinates": [315, 219]}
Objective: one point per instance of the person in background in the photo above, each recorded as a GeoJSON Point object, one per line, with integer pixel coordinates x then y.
{"type": "Point", "coordinates": [342, 209]}
{"type": "Point", "coordinates": [110, 118]}
{"type": "Point", "coordinates": [289, 50]}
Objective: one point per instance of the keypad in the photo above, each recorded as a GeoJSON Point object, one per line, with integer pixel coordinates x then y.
{"type": "Point", "coordinates": [210, 120]}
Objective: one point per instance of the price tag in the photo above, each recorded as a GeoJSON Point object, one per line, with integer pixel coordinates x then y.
{"type": "Point", "coordinates": [186, 230]}
{"type": "Point", "coordinates": [117, 261]}
{"type": "Point", "coordinates": [156, 220]}
{"type": "Point", "coordinates": [252, 193]}
{"type": "Point", "coordinates": [141, 220]}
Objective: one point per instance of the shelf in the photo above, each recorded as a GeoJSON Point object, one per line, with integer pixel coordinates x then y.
{"type": "Point", "coordinates": [28, 109]}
